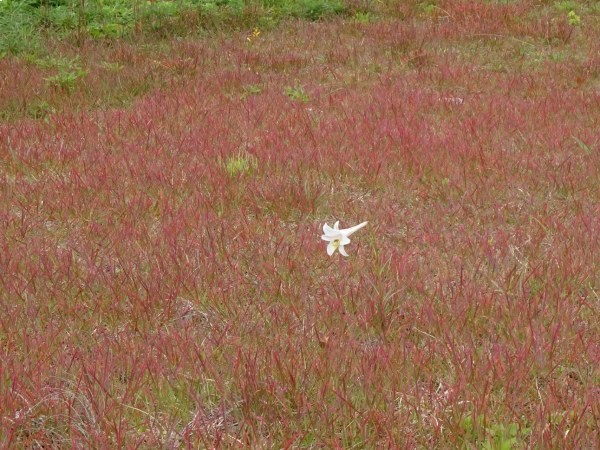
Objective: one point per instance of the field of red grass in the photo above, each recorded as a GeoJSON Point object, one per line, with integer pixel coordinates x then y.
{"type": "Point", "coordinates": [162, 279]}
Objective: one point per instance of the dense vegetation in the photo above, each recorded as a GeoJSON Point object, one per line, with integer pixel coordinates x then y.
{"type": "Point", "coordinates": [166, 169]}
{"type": "Point", "coordinates": [26, 23]}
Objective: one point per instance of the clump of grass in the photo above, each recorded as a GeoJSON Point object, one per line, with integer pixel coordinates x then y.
{"type": "Point", "coordinates": [251, 89]}
{"type": "Point", "coordinates": [240, 164]}
{"type": "Point", "coordinates": [297, 93]}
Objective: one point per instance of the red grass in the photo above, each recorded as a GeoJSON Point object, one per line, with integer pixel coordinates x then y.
{"type": "Point", "coordinates": [150, 297]}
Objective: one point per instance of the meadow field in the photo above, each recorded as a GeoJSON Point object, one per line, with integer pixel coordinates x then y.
{"type": "Point", "coordinates": [166, 169]}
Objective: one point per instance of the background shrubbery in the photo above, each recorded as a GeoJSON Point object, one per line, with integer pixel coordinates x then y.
{"type": "Point", "coordinates": [24, 22]}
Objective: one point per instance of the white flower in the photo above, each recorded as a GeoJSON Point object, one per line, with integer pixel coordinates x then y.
{"type": "Point", "coordinates": [338, 238]}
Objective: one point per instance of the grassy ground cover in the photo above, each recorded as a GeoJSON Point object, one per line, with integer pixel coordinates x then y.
{"type": "Point", "coordinates": [163, 189]}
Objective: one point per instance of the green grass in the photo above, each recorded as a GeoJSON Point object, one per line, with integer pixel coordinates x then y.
{"type": "Point", "coordinates": [297, 94]}
{"type": "Point", "coordinates": [19, 28]}
{"type": "Point", "coordinates": [24, 24]}
{"type": "Point", "coordinates": [240, 164]}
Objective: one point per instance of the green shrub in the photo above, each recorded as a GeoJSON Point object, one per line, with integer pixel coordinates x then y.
{"type": "Point", "coordinates": [63, 17]}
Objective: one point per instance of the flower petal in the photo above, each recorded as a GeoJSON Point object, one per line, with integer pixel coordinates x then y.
{"type": "Point", "coordinates": [344, 240]}
{"type": "Point", "coordinates": [331, 248]}
{"type": "Point", "coordinates": [328, 238]}
{"type": "Point", "coordinates": [349, 231]}
{"type": "Point", "coordinates": [342, 251]}
{"type": "Point", "coordinates": [336, 226]}
{"type": "Point", "coordinates": [328, 230]}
